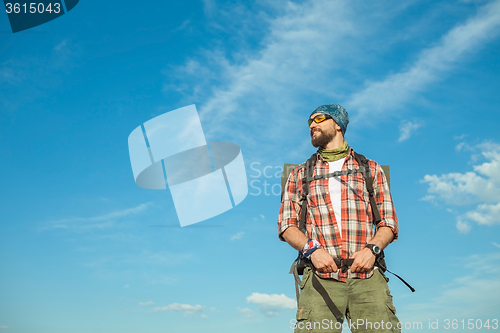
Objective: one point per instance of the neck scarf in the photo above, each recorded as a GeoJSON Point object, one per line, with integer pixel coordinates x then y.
{"type": "Point", "coordinates": [335, 154]}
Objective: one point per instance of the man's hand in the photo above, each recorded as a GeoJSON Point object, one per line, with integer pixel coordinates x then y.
{"type": "Point", "coordinates": [323, 261]}
{"type": "Point", "coordinates": [363, 261]}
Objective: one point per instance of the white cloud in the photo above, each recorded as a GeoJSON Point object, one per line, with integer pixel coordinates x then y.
{"type": "Point", "coordinates": [96, 222]}
{"type": "Point", "coordinates": [496, 244]}
{"type": "Point", "coordinates": [463, 227]}
{"type": "Point", "coordinates": [485, 214]}
{"type": "Point", "coordinates": [406, 129]}
{"type": "Point", "coordinates": [270, 304]}
{"type": "Point", "coordinates": [428, 198]}
{"type": "Point", "coordinates": [480, 187]}
{"type": "Point", "coordinates": [247, 313]}
{"type": "Point", "coordinates": [461, 146]}
{"type": "Point", "coordinates": [460, 188]}
{"type": "Point", "coordinates": [186, 309]}
{"type": "Point", "coordinates": [146, 303]}
{"type": "Point", "coordinates": [3, 327]}
{"type": "Point", "coordinates": [271, 313]}
{"type": "Point", "coordinates": [490, 151]}
{"type": "Point", "coordinates": [237, 236]}
{"type": "Point", "coordinates": [390, 94]}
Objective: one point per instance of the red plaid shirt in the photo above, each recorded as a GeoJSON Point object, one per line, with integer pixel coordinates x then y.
{"type": "Point", "coordinates": [357, 220]}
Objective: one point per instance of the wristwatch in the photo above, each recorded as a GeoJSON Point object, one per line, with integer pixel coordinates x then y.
{"type": "Point", "coordinates": [375, 248]}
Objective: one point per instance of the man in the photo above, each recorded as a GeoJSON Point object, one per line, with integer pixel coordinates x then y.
{"type": "Point", "coordinates": [339, 223]}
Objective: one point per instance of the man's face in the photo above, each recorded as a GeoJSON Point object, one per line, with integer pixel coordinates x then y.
{"type": "Point", "coordinates": [322, 133]}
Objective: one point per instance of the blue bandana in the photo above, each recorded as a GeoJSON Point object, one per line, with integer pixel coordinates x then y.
{"type": "Point", "coordinates": [338, 113]}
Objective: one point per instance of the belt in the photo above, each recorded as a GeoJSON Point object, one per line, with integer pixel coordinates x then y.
{"type": "Point", "coordinates": [343, 263]}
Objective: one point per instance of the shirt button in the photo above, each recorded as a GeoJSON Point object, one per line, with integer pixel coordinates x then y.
{"type": "Point", "coordinates": [330, 209]}
{"type": "Point", "coordinates": [326, 192]}
{"type": "Point", "coordinates": [335, 227]}
{"type": "Point", "coordinates": [340, 246]}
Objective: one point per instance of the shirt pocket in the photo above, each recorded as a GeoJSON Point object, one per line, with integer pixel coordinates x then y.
{"type": "Point", "coordinates": [359, 193]}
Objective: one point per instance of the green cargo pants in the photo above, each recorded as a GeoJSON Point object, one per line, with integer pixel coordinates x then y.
{"type": "Point", "coordinates": [366, 303]}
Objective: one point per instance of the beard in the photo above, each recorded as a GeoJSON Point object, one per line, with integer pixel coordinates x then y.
{"type": "Point", "coordinates": [322, 139]}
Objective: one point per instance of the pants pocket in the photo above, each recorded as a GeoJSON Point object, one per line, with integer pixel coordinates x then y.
{"type": "Point", "coordinates": [305, 277]}
{"type": "Point", "coordinates": [391, 312]}
{"type": "Point", "coordinates": [303, 315]}
{"type": "Point", "coordinates": [385, 277]}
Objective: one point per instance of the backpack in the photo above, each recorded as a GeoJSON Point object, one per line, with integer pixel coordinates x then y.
{"type": "Point", "coordinates": [308, 177]}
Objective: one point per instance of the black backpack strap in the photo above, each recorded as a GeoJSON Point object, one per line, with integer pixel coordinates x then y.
{"type": "Point", "coordinates": [326, 297]}
{"type": "Point", "coordinates": [308, 173]}
{"type": "Point", "coordinates": [363, 161]}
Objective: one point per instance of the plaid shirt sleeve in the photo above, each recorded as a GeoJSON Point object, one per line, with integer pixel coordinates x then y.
{"type": "Point", "coordinates": [289, 214]}
{"type": "Point", "coordinates": [383, 199]}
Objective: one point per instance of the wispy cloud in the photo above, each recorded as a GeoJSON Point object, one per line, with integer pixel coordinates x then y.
{"type": "Point", "coordinates": [209, 7]}
{"type": "Point", "coordinates": [304, 54]}
{"type": "Point", "coordinates": [95, 222]}
{"type": "Point", "coordinates": [146, 303]}
{"type": "Point", "coordinates": [38, 74]}
{"type": "Point", "coordinates": [295, 59]}
{"type": "Point", "coordinates": [186, 309]}
{"type": "Point", "coordinates": [271, 304]}
{"type": "Point", "coordinates": [154, 259]}
{"type": "Point", "coordinates": [407, 128]}
{"type": "Point", "coordinates": [61, 46]}
{"type": "Point", "coordinates": [3, 327]}
{"type": "Point", "coordinates": [480, 187]}
{"type": "Point", "coordinates": [469, 295]}
{"type": "Point", "coordinates": [432, 64]}
{"type": "Point", "coordinates": [166, 280]}
{"type": "Point", "coordinates": [246, 312]}
{"type": "Point", "coordinates": [237, 236]}
{"type": "Point", "coordinates": [182, 26]}
{"type": "Point", "coordinates": [9, 75]}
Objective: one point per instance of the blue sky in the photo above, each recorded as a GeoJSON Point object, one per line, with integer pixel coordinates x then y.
{"type": "Point", "coordinates": [82, 248]}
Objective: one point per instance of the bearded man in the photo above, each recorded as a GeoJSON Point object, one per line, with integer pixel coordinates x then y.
{"type": "Point", "coordinates": [340, 228]}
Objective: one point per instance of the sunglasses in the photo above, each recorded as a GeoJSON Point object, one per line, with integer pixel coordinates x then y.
{"type": "Point", "coordinates": [319, 118]}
